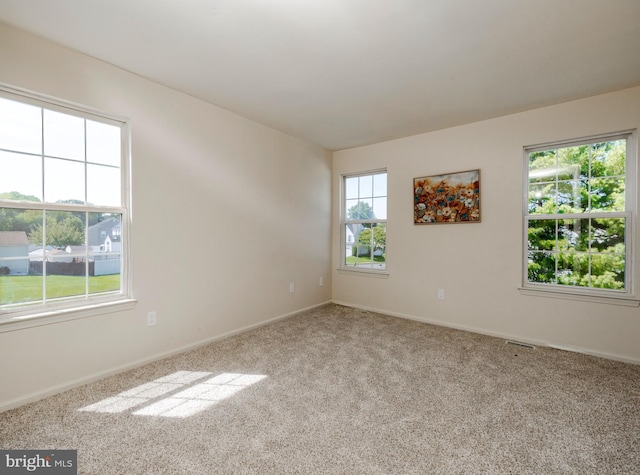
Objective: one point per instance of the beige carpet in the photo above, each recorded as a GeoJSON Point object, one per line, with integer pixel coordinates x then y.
{"type": "Point", "coordinates": [336, 390]}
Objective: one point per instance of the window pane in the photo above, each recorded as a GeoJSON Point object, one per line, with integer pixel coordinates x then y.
{"type": "Point", "coordinates": [607, 194]}
{"type": "Point", "coordinates": [351, 188]}
{"type": "Point", "coordinates": [60, 285]}
{"type": "Point", "coordinates": [104, 237]}
{"type": "Point", "coordinates": [608, 235]}
{"type": "Point", "coordinates": [14, 253]}
{"type": "Point", "coordinates": [63, 181]}
{"type": "Point", "coordinates": [12, 219]}
{"type": "Point", "coordinates": [608, 158]}
{"type": "Point", "coordinates": [608, 271]}
{"type": "Point", "coordinates": [103, 185]}
{"type": "Point", "coordinates": [63, 135]}
{"type": "Point", "coordinates": [103, 143]}
{"type": "Point", "coordinates": [360, 249]}
{"type": "Point", "coordinates": [573, 235]}
{"type": "Point", "coordinates": [358, 210]}
{"type": "Point", "coordinates": [20, 289]}
{"type": "Point", "coordinates": [380, 208]}
{"type": "Point", "coordinates": [66, 264]}
{"type": "Point", "coordinates": [352, 232]}
{"type": "Point", "coordinates": [542, 199]}
{"type": "Point", "coordinates": [20, 250]}
{"type": "Point", "coordinates": [21, 174]}
{"type": "Point", "coordinates": [380, 184]}
{"type": "Point", "coordinates": [363, 241]}
{"type": "Point", "coordinates": [379, 244]}
{"type": "Point", "coordinates": [542, 234]}
{"type": "Point", "coordinates": [366, 246]}
{"type": "Point", "coordinates": [572, 197]}
{"type": "Point", "coordinates": [20, 127]}
{"type": "Point", "coordinates": [542, 166]}
{"type": "Point", "coordinates": [366, 186]}
{"type": "Point", "coordinates": [573, 163]}
{"type": "Point", "coordinates": [351, 209]}
{"type": "Point", "coordinates": [541, 267]}
{"type": "Point", "coordinates": [573, 269]}
{"type": "Point", "coordinates": [64, 229]}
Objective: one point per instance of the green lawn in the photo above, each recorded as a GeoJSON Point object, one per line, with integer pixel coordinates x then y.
{"type": "Point", "coordinates": [18, 288]}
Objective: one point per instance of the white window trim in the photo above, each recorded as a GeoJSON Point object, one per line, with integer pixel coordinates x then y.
{"type": "Point", "coordinates": [343, 268]}
{"type": "Point", "coordinates": [26, 316]}
{"type": "Point", "coordinates": [631, 295]}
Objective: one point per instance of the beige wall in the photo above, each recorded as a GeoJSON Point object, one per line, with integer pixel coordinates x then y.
{"type": "Point", "coordinates": [226, 212]}
{"type": "Point", "coordinates": [479, 265]}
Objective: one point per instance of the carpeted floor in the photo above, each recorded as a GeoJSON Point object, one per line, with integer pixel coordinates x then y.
{"type": "Point", "coordinates": [336, 390]}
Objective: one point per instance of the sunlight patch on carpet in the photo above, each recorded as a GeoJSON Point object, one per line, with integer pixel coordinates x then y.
{"type": "Point", "coordinates": [180, 394]}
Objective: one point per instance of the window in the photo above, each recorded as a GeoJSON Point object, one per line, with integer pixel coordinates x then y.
{"type": "Point", "coordinates": [578, 216]}
{"type": "Point", "coordinates": [364, 223]}
{"type": "Point", "coordinates": [63, 206]}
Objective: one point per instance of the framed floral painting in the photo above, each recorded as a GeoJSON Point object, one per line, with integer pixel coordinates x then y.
{"type": "Point", "coordinates": [448, 198]}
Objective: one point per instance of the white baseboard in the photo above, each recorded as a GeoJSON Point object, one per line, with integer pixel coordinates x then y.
{"type": "Point", "coordinates": [599, 354]}
{"type": "Point", "coordinates": [506, 336]}
{"type": "Point", "coordinates": [50, 391]}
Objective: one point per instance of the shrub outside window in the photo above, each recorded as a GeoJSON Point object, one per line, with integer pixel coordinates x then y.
{"type": "Point", "coordinates": [578, 215]}
{"type": "Point", "coordinates": [63, 206]}
{"type": "Point", "coordinates": [364, 226]}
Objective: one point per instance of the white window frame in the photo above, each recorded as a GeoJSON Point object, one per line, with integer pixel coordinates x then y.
{"type": "Point", "coordinates": [15, 317]}
{"type": "Point", "coordinates": [343, 222]}
{"type": "Point", "coordinates": [630, 295]}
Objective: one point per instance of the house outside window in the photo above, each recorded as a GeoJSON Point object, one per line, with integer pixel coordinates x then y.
{"type": "Point", "coordinates": [364, 222]}
{"type": "Point", "coordinates": [579, 211]}
{"type": "Point", "coordinates": [64, 200]}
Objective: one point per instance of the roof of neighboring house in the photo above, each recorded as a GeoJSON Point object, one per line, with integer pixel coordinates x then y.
{"type": "Point", "coordinates": [95, 231]}
{"type": "Point", "coordinates": [79, 249]}
{"type": "Point", "coordinates": [13, 238]}
{"type": "Point", "coordinates": [34, 247]}
{"type": "Point", "coordinates": [50, 251]}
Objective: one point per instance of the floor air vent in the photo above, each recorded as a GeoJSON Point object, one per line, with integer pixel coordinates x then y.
{"type": "Point", "coordinates": [519, 343]}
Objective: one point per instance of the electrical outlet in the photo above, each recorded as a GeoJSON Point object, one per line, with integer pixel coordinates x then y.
{"type": "Point", "coordinates": [151, 318]}
{"type": "Point", "coordinates": [292, 287]}
{"type": "Point", "coordinates": [440, 294]}
{"type": "Point", "coordinates": [321, 283]}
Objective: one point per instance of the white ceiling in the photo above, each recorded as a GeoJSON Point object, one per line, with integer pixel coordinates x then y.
{"type": "Point", "coordinates": [343, 73]}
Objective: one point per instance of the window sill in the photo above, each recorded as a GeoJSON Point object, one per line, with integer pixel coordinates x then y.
{"type": "Point", "coordinates": [623, 300]}
{"type": "Point", "coordinates": [20, 322]}
{"type": "Point", "coordinates": [378, 274]}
